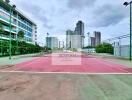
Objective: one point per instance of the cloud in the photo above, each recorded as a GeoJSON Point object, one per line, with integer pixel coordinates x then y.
{"type": "Point", "coordinates": [36, 11]}
{"type": "Point", "coordinates": [107, 15]}
{"type": "Point", "coordinates": [56, 16]}
{"type": "Point", "coordinates": [80, 4]}
{"type": "Point", "coordinates": [46, 25]}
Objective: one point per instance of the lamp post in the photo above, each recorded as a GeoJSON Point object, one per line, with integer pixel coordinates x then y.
{"type": "Point", "coordinates": [10, 45]}
{"type": "Point", "coordinates": [47, 40]}
{"type": "Point", "coordinates": [88, 38]}
{"type": "Point", "coordinates": [126, 4]}
{"type": "Point", "coordinates": [119, 46]}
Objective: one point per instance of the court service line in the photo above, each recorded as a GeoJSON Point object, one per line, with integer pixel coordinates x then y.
{"type": "Point", "coordinates": [75, 73]}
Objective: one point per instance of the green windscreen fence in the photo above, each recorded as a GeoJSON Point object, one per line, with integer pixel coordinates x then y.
{"type": "Point", "coordinates": [17, 47]}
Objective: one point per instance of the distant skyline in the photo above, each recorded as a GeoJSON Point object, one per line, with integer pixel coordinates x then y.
{"type": "Point", "coordinates": [111, 18]}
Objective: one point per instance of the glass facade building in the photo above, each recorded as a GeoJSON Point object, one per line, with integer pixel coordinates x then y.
{"type": "Point", "coordinates": [52, 42]}
{"type": "Point", "coordinates": [19, 22]}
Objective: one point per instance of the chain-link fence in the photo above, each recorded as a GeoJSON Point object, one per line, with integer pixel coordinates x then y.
{"type": "Point", "coordinates": [121, 45]}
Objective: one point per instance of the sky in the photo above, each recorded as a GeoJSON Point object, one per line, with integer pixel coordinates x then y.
{"type": "Point", "coordinates": [109, 17]}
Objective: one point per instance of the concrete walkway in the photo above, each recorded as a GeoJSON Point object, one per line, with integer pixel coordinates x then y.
{"type": "Point", "coordinates": [17, 59]}
{"type": "Point", "coordinates": [65, 87]}
{"type": "Point", "coordinates": [113, 59]}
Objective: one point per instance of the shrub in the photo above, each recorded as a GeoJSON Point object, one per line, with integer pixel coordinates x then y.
{"type": "Point", "coordinates": [18, 47]}
{"type": "Point", "coordinates": [105, 48]}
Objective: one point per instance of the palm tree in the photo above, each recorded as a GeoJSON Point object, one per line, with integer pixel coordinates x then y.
{"type": "Point", "coordinates": [20, 35]}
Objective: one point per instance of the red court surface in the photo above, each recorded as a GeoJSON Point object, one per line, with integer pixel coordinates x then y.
{"type": "Point", "coordinates": [89, 64]}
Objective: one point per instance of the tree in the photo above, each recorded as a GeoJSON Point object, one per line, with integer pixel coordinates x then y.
{"type": "Point", "coordinates": [105, 48]}
{"type": "Point", "coordinates": [1, 29]}
{"type": "Point", "coordinates": [20, 35]}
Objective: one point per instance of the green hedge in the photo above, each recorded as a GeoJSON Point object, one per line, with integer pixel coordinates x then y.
{"type": "Point", "coordinates": [105, 48]}
{"type": "Point", "coordinates": [18, 47]}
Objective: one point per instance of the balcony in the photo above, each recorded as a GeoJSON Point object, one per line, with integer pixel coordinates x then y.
{"type": "Point", "coordinates": [7, 37]}
{"type": "Point", "coordinates": [2, 36]}
{"type": "Point", "coordinates": [8, 29]}
{"type": "Point", "coordinates": [7, 12]}
{"type": "Point", "coordinates": [7, 20]}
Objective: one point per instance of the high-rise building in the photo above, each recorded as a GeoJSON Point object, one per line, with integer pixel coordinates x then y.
{"type": "Point", "coordinates": [72, 40]}
{"type": "Point", "coordinates": [19, 22]}
{"type": "Point", "coordinates": [92, 41]}
{"type": "Point", "coordinates": [69, 38]}
{"type": "Point", "coordinates": [97, 38]}
{"type": "Point", "coordinates": [75, 39]}
{"type": "Point", "coordinates": [52, 42]}
{"type": "Point", "coordinates": [79, 30]}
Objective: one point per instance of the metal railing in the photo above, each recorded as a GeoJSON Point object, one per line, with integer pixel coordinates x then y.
{"type": "Point", "coordinates": [8, 20]}
{"type": "Point", "coordinates": [121, 40]}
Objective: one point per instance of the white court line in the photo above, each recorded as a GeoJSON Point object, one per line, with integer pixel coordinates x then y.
{"type": "Point", "coordinates": [74, 73]}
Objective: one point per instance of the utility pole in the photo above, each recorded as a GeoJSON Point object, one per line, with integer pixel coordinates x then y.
{"type": "Point", "coordinates": [130, 31]}
{"type": "Point", "coordinates": [119, 46]}
{"type": "Point", "coordinates": [47, 40]}
{"type": "Point", "coordinates": [88, 38]}
{"type": "Point", "coordinates": [63, 45]}
{"type": "Point", "coordinates": [126, 4]}
{"type": "Point", "coordinates": [59, 44]}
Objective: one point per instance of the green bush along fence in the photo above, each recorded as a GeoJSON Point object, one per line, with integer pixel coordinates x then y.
{"type": "Point", "coordinates": [18, 47]}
